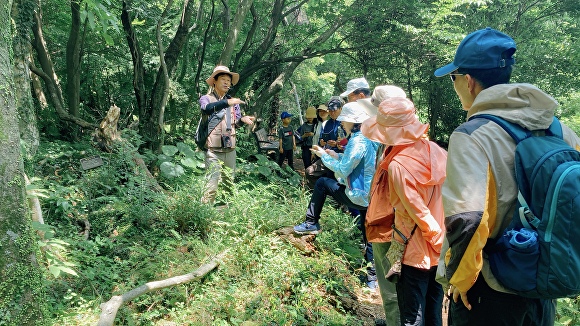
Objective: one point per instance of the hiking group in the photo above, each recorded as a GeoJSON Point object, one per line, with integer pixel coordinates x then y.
{"type": "Point", "coordinates": [489, 221]}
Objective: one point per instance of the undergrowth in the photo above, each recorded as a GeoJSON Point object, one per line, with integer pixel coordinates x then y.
{"type": "Point", "coordinates": [136, 234]}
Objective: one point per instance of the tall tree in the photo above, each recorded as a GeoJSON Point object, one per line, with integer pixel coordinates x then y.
{"type": "Point", "coordinates": [22, 13]}
{"type": "Point", "coordinates": [234, 32]}
{"type": "Point", "coordinates": [151, 109]}
{"type": "Point", "coordinates": [21, 289]}
{"type": "Point", "coordinates": [47, 72]}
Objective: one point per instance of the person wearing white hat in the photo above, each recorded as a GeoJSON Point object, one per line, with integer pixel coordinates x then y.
{"type": "Point", "coordinates": [357, 88]}
{"type": "Point", "coordinates": [223, 114]}
{"type": "Point", "coordinates": [380, 93]}
{"type": "Point", "coordinates": [353, 170]}
{"type": "Point", "coordinates": [378, 222]}
{"type": "Point", "coordinates": [410, 179]}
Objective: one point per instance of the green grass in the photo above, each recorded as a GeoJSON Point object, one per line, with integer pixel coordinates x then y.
{"type": "Point", "coordinates": [138, 236]}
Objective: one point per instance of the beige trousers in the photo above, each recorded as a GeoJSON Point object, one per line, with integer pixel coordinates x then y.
{"type": "Point", "coordinates": [220, 166]}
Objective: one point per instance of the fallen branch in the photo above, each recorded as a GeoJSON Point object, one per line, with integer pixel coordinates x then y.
{"type": "Point", "coordinates": [109, 308]}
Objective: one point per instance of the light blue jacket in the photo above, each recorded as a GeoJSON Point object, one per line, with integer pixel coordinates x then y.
{"type": "Point", "coordinates": [355, 167]}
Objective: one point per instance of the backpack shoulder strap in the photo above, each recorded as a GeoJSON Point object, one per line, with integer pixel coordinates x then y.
{"type": "Point", "coordinates": [515, 131]}
{"type": "Point", "coordinates": [555, 129]}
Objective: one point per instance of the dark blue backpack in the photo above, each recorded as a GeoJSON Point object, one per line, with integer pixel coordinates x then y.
{"type": "Point", "coordinates": [538, 254]}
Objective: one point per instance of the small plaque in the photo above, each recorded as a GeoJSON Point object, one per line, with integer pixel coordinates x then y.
{"type": "Point", "coordinates": [91, 162]}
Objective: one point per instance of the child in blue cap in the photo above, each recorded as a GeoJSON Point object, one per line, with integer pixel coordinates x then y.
{"type": "Point", "coordinates": [287, 141]}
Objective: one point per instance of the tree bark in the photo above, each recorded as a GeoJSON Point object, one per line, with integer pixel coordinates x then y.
{"type": "Point", "coordinates": [137, 56]}
{"type": "Point", "coordinates": [21, 294]}
{"type": "Point", "coordinates": [73, 63]}
{"type": "Point", "coordinates": [22, 14]}
{"type": "Point", "coordinates": [275, 87]}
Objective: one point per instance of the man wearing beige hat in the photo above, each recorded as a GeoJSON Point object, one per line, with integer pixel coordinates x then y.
{"type": "Point", "coordinates": [409, 181]}
{"type": "Point", "coordinates": [223, 114]}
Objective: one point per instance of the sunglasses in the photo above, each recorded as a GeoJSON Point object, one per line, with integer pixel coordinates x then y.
{"type": "Point", "coordinates": [452, 75]}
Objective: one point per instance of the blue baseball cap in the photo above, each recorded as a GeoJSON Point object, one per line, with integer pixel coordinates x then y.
{"type": "Point", "coordinates": [285, 115]}
{"type": "Point", "coordinates": [482, 49]}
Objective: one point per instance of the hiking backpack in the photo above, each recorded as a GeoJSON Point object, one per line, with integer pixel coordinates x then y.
{"type": "Point", "coordinates": [202, 132]}
{"type": "Point", "coordinates": [538, 254]}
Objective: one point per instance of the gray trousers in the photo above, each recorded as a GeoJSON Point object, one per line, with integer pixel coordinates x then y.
{"type": "Point", "coordinates": [387, 289]}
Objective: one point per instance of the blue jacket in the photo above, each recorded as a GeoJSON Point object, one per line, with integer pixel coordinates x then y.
{"type": "Point", "coordinates": [355, 167]}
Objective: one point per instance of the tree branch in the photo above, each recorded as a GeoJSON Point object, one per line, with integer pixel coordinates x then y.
{"type": "Point", "coordinates": [109, 308]}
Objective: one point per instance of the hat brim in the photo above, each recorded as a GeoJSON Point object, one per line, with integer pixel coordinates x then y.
{"type": "Point", "coordinates": [345, 93]}
{"type": "Point", "coordinates": [392, 136]}
{"type": "Point", "coordinates": [445, 70]}
{"type": "Point", "coordinates": [369, 107]}
{"type": "Point", "coordinates": [235, 77]}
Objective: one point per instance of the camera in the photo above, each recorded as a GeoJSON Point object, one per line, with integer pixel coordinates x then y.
{"type": "Point", "coordinates": [226, 141]}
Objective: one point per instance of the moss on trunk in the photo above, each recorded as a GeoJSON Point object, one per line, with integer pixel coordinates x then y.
{"type": "Point", "coordinates": [21, 289]}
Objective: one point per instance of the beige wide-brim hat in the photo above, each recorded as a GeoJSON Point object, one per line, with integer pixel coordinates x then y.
{"type": "Point", "coordinates": [353, 112]}
{"type": "Point", "coordinates": [322, 107]}
{"type": "Point", "coordinates": [395, 124]}
{"type": "Point", "coordinates": [222, 69]}
{"type": "Point", "coordinates": [380, 93]}
{"type": "Point", "coordinates": [310, 113]}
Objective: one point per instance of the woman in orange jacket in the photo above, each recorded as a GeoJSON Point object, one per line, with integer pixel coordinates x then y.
{"type": "Point", "coordinates": [413, 169]}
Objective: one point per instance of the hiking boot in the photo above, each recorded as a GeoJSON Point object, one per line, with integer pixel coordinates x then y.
{"type": "Point", "coordinates": [307, 228]}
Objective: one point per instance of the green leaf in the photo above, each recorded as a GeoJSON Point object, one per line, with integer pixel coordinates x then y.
{"type": "Point", "coordinates": [169, 150]}
{"type": "Point", "coordinates": [68, 270]}
{"type": "Point", "coordinates": [190, 163]}
{"type": "Point", "coordinates": [91, 17]}
{"type": "Point", "coordinates": [186, 150]}
{"type": "Point", "coordinates": [163, 158]}
{"type": "Point", "coordinates": [264, 171]}
{"type": "Point", "coordinates": [171, 170]}
{"type": "Point", "coordinates": [108, 39]}
{"type": "Point", "coordinates": [54, 270]}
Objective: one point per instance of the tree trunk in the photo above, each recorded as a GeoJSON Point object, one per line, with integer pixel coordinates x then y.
{"type": "Point", "coordinates": [137, 56]}
{"type": "Point", "coordinates": [234, 32]}
{"type": "Point", "coordinates": [21, 294]}
{"type": "Point", "coordinates": [73, 63]}
{"type": "Point", "coordinates": [153, 117]}
{"type": "Point", "coordinates": [29, 135]}
{"type": "Point", "coordinates": [47, 73]}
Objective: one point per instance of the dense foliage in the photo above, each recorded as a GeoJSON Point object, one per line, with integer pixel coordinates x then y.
{"type": "Point", "coordinates": [110, 229]}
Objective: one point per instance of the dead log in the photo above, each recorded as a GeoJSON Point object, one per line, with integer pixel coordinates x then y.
{"type": "Point", "coordinates": [304, 243]}
{"type": "Point", "coordinates": [109, 308]}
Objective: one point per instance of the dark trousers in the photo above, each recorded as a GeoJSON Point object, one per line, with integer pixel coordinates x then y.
{"type": "Point", "coordinates": [420, 297]}
{"type": "Point", "coordinates": [330, 187]}
{"type": "Point", "coordinates": [306, 156]}
{"type": "Point", "coordinates": [490, 307]}
{"type": "Point", "coordinates": [315, 171]}
{"type": "Point", "coordinates": [289, 155]}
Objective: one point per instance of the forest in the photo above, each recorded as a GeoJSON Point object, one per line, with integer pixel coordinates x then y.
{"type": "Point", "coordinates": [100, 213]}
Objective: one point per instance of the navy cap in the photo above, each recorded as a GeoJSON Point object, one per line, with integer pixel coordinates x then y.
{"type": "Point", "coordinates": [334, 104]}
{"type": "Point", "coordinates": [482, 49]}
{"type": "Point", "coordinates": [285, 115]}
